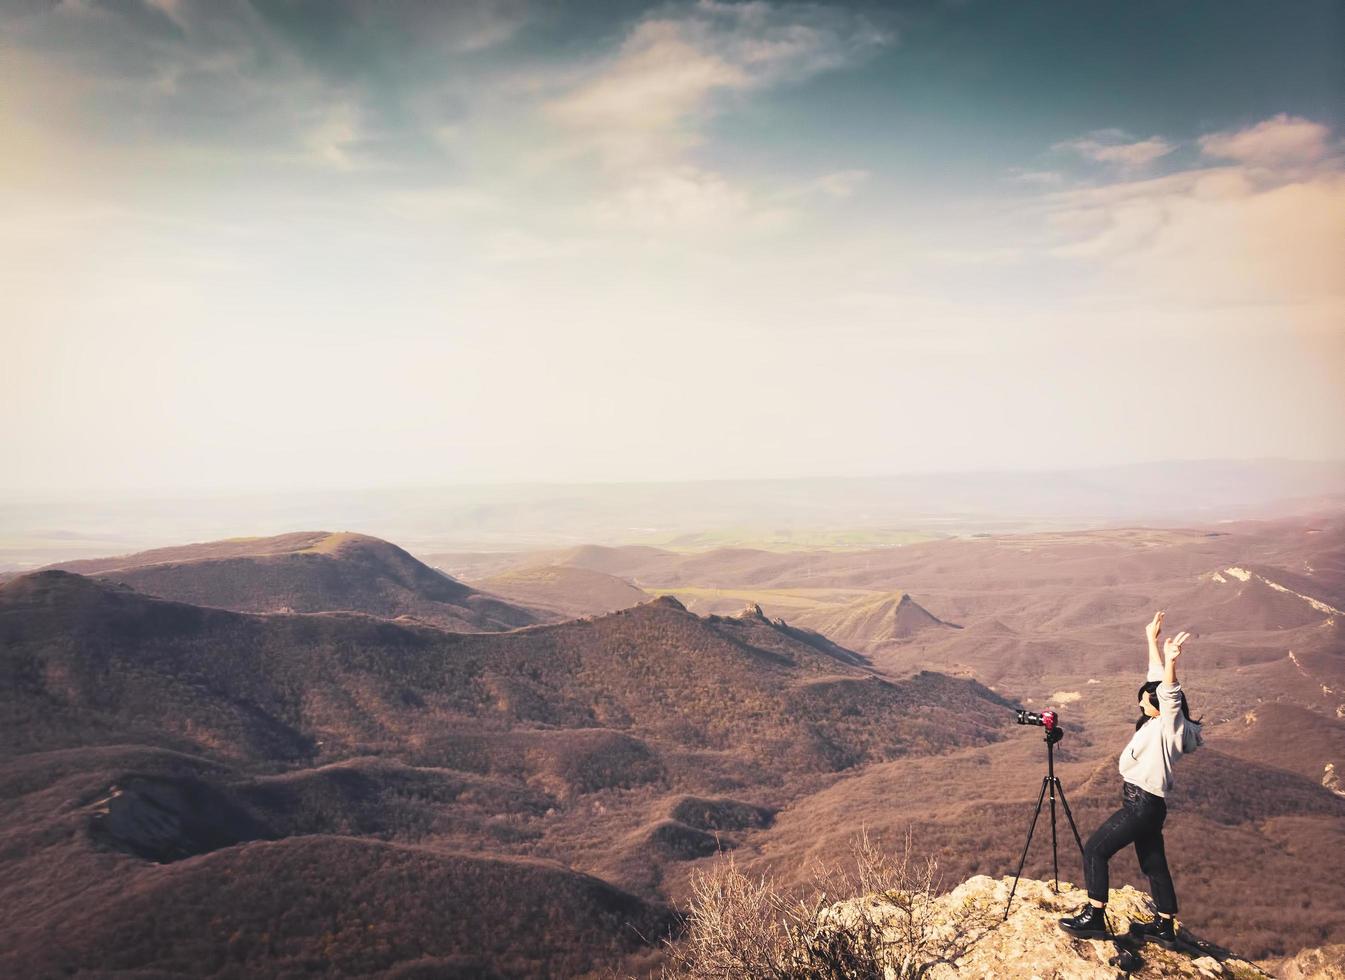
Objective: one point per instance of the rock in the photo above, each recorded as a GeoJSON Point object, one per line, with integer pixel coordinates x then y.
{"type": "Point", "coordinates": [753, 611]}
{"type": "Point", "coordinates": [964, 934]}
{"type": "Point", "coordinates": [1326, 963]}
{"type": "Point", "coordinates": [1331, 779]}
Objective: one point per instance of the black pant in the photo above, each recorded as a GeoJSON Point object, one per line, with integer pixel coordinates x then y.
{"type": "Point", "coordinates": [1138, 822]}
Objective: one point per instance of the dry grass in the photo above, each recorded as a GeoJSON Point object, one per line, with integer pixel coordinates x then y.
{"type": "Point", "coordinates": [742, 927]}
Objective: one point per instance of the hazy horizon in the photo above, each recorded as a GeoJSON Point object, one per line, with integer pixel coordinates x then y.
{"type": "Point", "coordinates": [188, 491]}
{"type": "Point", "coordinates": [274, 246]}
{"type": "Point", "coordinates": [776, 514]}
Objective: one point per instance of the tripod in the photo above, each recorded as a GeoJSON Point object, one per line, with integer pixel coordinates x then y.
{"type": "Point", "coordinates": [1052, 782]}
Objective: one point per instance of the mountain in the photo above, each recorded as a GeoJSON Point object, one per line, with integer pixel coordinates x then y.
{"type": "Point", "coordinates": [93, 661]}
{"type": "Point", "coordinates": [332, 904]}
{"type": "Point", "coordinates": [871, 624]}
{"type": "Point", "coordinates": [143, 738]}
{"type": "Point", "coordinates": [310, 572]}
{"type": "Point", "coordinates": [643, 565]}
{"type": "Point", "coordinates": [287, 789]}
{"type": "Point", "coordinates": [1318, 743]}
{"type": "Point", "coordinates": [570, 590]}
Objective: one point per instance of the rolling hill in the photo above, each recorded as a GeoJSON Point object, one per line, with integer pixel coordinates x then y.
{"type": "Point", "coordinates": [311, 572]}
{"type": "Point", "coordinates": [337, 904]}
{"type": "Point", "coordinates": [570, 590]}
{"type": "Point", "coordinates": [91, 661]}
{"type": "Point", "coordinates": [872, 624]}
{"type": "Point", "coordinates": [146, 741]}
{"type": "Point", "coordinates": [165, 752]}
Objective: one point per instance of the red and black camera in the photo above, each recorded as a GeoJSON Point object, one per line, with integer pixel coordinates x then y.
{"type": "Point", "coordinates": [1046, 719]}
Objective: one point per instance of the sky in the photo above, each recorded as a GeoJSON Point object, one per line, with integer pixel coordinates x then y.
{"type": "Point", "coordinates": [338, 243]}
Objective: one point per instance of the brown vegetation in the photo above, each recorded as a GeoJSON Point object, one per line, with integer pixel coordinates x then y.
{"type": "Point", "coordinates": [341, 905]}
{"type": "Point", "coordinates": [148, 745]}
{"type": "Point", "coordinates": [741, 926]}
{"type": "Point", "coordinates": [311, 572]}
{"type": "Point", "coordinates": [569, 590]}
{"type": "Point", "coordinates": [554, 742]}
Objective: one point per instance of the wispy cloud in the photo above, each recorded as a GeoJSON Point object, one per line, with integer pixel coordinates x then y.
{"type": "Point", "coordinates": [641, 110]}
{"type": "Point", "coordinates": [840, 184]}
{"type": "Point", "coordinates": [1114, 146]}
{"type": "Point", "coordinates": [675, 70]}
{"type": "Point", "coordinates": [414, 97]}
{"type": "Point", "coordinates": [1261, 226]}
{"type": "Point", "coordinates": [519, 229]}
{"type": "Point", "coordinates": [1277, 141]}
{"type": "Point", "coordinates": [348, 83]}
{"type": "Point", "coordinates": [1040, 178]}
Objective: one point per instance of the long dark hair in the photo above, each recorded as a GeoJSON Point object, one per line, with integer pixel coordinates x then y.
{"type": "Point", "coordinates": [1152, 688]}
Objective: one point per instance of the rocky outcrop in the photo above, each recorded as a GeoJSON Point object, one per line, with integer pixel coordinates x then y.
{"type": "Point", "coordinates": [964, 934]}
{"type": "Point", "coordinates": [1331, 780]}
{"type": "Point", "coordinates": [1327, 963]}
{"type": "Point", "coordinates": [753, 611]}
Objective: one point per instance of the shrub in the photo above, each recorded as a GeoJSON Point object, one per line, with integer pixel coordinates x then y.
{"type": "Point", "coordinates": [892, 926]}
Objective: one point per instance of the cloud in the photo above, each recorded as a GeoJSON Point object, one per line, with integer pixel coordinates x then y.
{"type": "Point", "coordinates": [641, 110]}
{"type": "Point", "coordinates": [1116, 147]}
{"type": "Point", "coordinates": [838, 185]}
{"type": "Point", "coordinates": [1043, 178]}
{"type": "Point", "coordinates": [647, 103]}
{"type": "Point", "coordinates": [1282, 243]}
{"type": "Point", "coordinates": [842, 183]}
{"type": "Point", "coordinates": [636, 109]}
{"type": "Point", "coordinates": [1264, 229]}
{"type": "Point", "coordinates": [415, 96]}
{"type": "Point", "coordinates": [687, 199]}
{"type": "Point", "coordinates": [1282, 139]}
{"type": "Point", "coordinates": [345, 83]}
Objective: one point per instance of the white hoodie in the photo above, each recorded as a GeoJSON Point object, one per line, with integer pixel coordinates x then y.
{"type": "Point", "coordinates": [1148, 758]}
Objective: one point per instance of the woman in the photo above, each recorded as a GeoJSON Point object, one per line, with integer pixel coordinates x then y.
{"type": "Point", "coordinates": [1163, 734]}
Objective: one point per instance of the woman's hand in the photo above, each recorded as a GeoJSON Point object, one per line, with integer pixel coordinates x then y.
{"type": "Point", "coordinates": [1172, 648]}
{"type": "Point", "coordinates": [1154, 628]}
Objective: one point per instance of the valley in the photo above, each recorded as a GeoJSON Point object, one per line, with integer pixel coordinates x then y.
{"type": "Point", "coordinates": [573, 732]}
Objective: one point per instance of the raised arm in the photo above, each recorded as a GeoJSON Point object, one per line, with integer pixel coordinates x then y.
{"type": "Point", "coordinates": [1173, 649]}
{"type": "Point", "coordinates": [1151, 632]}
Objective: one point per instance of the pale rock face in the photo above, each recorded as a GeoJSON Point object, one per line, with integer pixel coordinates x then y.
{"type": "Point", "coordinates": [752, 611]}
{"type": "Point", "coordinates": [1331, 780]}
{"type": "Point", "coordinates": [966, 929]}
{"type": "Point", "coordinates": [1327, 963]}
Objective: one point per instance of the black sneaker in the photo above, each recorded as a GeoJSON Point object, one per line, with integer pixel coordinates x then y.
{"type": "Point", "coordinates": [1090, 923]}
{"type": "Point", "coordinates": [1162, 930]}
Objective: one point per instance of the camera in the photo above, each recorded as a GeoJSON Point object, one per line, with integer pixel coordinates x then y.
{"type": "Point", "coordinates": [1047, 719]}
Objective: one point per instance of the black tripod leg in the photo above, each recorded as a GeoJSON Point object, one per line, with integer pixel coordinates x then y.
{"type": "Point", "coordinates": [1069, 816]}
{"type": "Point", "coordinates": [1023, 860]}
{"type": "Point", "coordinates": [1055, 854]}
